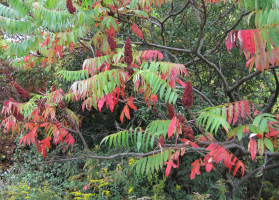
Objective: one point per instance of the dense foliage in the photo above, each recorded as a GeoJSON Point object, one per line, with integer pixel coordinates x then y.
{"type": "Point", "coordinates": [133, 99]}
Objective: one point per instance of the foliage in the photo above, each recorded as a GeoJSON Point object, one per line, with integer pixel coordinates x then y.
{"type": "Point", "coordinates": [77, 58]}
{"type": "Point", "coordinates": [24, 191]}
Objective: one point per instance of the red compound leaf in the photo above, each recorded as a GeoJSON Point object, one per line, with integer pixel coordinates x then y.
{"type": "Point", "coordinates": [21, 91]}
{"type": "Point", "coordinates": [53, 88]}
{"type": "Point", "coordinates": [98, 53]}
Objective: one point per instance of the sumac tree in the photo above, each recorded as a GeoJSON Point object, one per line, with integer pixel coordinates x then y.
{"type": "Point", "coordinates": [182, 55]}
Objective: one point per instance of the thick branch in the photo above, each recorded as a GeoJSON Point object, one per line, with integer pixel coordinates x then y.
{"type": "Point", "coordinates": [249, 175]}
{"type": "Point", "coordinates": [247, 78]}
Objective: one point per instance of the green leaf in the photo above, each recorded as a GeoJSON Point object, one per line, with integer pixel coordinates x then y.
{"type": "Point", "coordinates": [268, 144]}
{"type": "Point", "coordinates": [119, 139]}
{"type": "Point", "coordinates": [240, 132]}
{"type": "Point", "coordinates": [127, 139]}
{"type": "Point", "coordinates": [143, 165]}
{"type": "Point", "coordinates": [257, 120]}
{"type": "Point", "coordinates": [255, 129]}
{"type": "Point", "coordinates": [167, 95]}
{"type": "Point", "coordinates": [263, 124]}
{"type": "Point", "coordinates": [162, 90]}
{"type": "Point", "coordinates": [139, 139]}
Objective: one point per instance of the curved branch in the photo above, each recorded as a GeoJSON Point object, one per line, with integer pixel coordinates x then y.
{"type": "Point", "coordinates": [273, 98]}
{"type": "Point", "coordinates": [247, 78]}
{"type": "Point", "coordinates": [229, 30]}
{"type": "Point", "coordinates": [247, 176]}
{"type": "Point", "coordinates": [221, 16]}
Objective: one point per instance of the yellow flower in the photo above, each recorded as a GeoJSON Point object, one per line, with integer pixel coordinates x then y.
{"type": "Point", "coordinates": [178, 187]}
{"type": "Point", "coordinates": [27, 197]}
{"type": "Point", "coordinates": [130, 190]}
{"type": "Point", "coordinates": [119, 167]}
{"type": "Point", "coordinates": [103, 184]}
{"type": "Point", "coordinates": [105, 170]}
{"type": "Point", "coordinates": [76, 193]}
{"type": "Point", "coordinates": [131, 161]}
{"type": "Point", "coordinates": [106, 192]}
{"type": "Point", "coordinates": [86, 196]}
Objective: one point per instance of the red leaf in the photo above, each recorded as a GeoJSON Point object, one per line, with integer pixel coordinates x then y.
{"type": "Point", "coordinates": [236, 112]}
{"type": "Point", "coordinates": [172, 127]}
{"type": "Point", "coordinates": [109, 101]}
{"type": "Point", "coordinates": [38, 145]}
{"type": "Point", "coordinates": [169, 165]}
{"type": "Point", "coordinates": [239, 164]}
{"type": "Point", "coordinates": [211, 147]}
{"type": "Point", "coordinates": [154, 98]}
{"type": "Point", "coordinates": [69, 139]}
{"type": "Point", "coordinates": [245, 129]}
{"type": "Point", "coordinates": [242, 110]}
{"type": "Point", "coordinates": [45, 145]}
{"type": "Point", "coordinates": [101, 103]}
{"type": "Point", "coordinates": [84, 187]}
{"type": "Point", "coordinates": [185, 141]}
{"type": "Point", "coordinates": [253, 148]}
{"type": "Point", "coordinates": [251, 42]}
{"type": "Point", "coordinates": [46, 42]}
{"type": "Point", "coordinates": [180, 82]}
{"type": "Point", "coordinates": [247, 109]}
{"type": "Point", "coordinates": [234, 163]}
{"type": "Point", "coordinates": [196, 169]}
{"type": "Point", "coordinates": [260, 145]}
{"type": "Point", "coordinates": [123, 91]}
{"type": "Point", "coordinates": [46, 142]}
{"type": "Point", "coordinates": [149, 54]}
{"type": "Point", "coordinates": [227, 160]}
{"type": "Point", "coordinates": [29, 137]}
{"type": "Point", "coordinates": [272, 134]}
{"type": "Point", "coordinates": [219, 155]}
{"type": "Point", "coordinates": [58, 51]}
{"type": "Point", "coordinates": [130, 103]}
{"type": "Point", "coordinates": [136, 30]}
{"type": "Point", "coordinates": [229, 42]}
{"type": "Point", "coordinates": [194, 145]}
{"type": "Point", "coordinates": [230, 114]}
{"type": "Point", "coordinates": [260, 43]}
{"type": "Point", "coordinates": [127, 112]}
{"type": "Point", "coordinates": [235, 38]}
{"type": "Point", "coordinates": [208, 167]}
{"type": "Point", "coordinates": [122, 116]}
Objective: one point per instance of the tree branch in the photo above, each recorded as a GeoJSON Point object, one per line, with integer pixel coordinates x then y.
{"type": "Point", "coordinates": [273, 98]}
